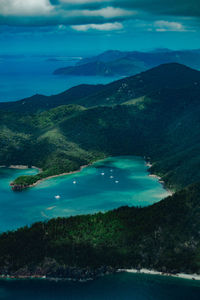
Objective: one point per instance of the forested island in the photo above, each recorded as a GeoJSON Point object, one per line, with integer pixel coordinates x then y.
{"type": "Point", "coordinates": [155, 114]}
{"type": "Point", "coordinates": [127, 63]}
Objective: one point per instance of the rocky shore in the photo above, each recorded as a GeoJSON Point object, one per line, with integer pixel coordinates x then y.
{"type": "Point", "coordinates": [50, 270]}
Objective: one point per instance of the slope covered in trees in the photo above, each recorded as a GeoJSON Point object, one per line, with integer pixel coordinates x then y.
{"type": "Point", "coordinates": [164, 237]}
{"type": "Point", "coordinates": [162, 122]}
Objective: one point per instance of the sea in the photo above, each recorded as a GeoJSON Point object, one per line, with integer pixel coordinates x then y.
{"type": "Point", "coordinates": [105, 185]}
{"type": "Point", "coordinates": [23, 76]}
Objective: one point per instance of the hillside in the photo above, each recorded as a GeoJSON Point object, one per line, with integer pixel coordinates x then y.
{"type": "Point", "coordinates": [162, 122]}
{"type": "Point", "coordinates": [118, 63]}
{"type": "Point", "coordinates": [155, 114]}
{"type": "Point", "coordinates": [167, 76]}
{"type": "Point", "coordinates": [38, 103]}
{"type": "Point", "coordinates": [164, 237]}
{"type": "Point", "coordinates": [121, 67]}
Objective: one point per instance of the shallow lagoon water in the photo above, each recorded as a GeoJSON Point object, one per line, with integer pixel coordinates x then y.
{"type": "Point", "coordinates": [105, 185]}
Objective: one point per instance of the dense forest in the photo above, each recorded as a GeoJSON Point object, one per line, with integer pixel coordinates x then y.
{"type": "Point", "coordinates": [165, 237]}
{"type": "Point", "coordinates": [155, 114]}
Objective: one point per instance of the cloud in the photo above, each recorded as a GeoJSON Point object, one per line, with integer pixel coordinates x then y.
{"type": "Point", "coordinates": [168, 26]}
{"type": "Point", "coordinates": [83, 1]}
{"type": "Point", "coordinates": [109, 12]}
{"type": "Point", "coordinates": [25, 8]}
{"type": "Point", "coordinates": [175, 15]}
{"type": "Point", "coordinates": [163, 7]}
{"type": "Point", "coordinates": [100, 27]}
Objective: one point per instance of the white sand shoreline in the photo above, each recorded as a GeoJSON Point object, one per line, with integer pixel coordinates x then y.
{"type": "Point", "coordinates": [154, 272]}
{"type": "Point", "coordinates": [149, 165]}
{"type": "Point", "coordinates": [63, 174]}
{"type": "Point", "coordinates": [24, 167]}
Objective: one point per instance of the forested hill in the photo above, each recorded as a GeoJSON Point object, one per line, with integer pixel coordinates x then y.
{"type": "Point", "coordinates": [155, 114]}
{"type": "Point", "coordinates": [167, 76]}
{"type": "Point", "coordinates": [38, 103]}
{"type": "Point", "coordinates": [163, 124]}
{"type": "Point", "coordinates": [163, 237]}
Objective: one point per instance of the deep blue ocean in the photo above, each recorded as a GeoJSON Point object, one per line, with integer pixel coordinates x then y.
{"type": "Point", "coordinates": [25, 76]}
{"type": "Point", "coordinates": [121, 286]}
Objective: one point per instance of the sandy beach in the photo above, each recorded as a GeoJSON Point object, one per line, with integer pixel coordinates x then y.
{"type": "Point", "coordinates": [154, 272]}
{"type": "Point", "coordinates": [149, 165]}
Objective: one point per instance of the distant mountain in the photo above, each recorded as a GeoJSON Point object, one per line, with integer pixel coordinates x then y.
{"type": "Point", "coordinates": [167, 76]}
{"type": "Point", "coordinates": [117, 63]}
{"type": "Point", "coordinates": [123, 66]}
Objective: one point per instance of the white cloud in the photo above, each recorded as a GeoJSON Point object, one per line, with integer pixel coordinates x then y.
{"type": "Point", "coordinates": [168, 26]}
{"type": "Point", "coordinates": [101, 27]}
{"type": "Point", "coordinates": [25, 7]}
{"type": "Point", "coordinates": [83, 1]}
{"type": "Point", "coordinates": [108, 12]}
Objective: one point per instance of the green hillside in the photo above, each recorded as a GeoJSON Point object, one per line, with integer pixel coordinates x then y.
{"type": "Point", "coordinates": [167, 76]}
{"type": "Point", "coordinates": [162, 122]}
{"type": "Point", "coordinates": [164, 237]}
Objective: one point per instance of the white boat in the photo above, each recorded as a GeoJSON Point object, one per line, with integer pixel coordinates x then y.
{"type": "Point", "coordinates": [57, 196]}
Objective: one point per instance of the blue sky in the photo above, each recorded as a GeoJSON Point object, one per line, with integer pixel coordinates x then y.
{"type": "Point", "coordinates": [91, 26]}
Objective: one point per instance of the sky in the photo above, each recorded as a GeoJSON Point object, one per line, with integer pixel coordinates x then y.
{"type": "Point", "coordinates": [82, 27]}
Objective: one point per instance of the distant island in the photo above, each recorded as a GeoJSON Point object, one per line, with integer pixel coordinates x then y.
{"type": "Point", "coordinates": [115, 63]}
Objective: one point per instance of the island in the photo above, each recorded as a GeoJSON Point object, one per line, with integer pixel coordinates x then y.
{"type": "Point", "coordinates": [154, 114]}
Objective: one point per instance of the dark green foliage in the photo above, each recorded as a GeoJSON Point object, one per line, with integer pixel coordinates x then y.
{"type": "Point", "coordinates": [164, 236]}
{"type": "Point", "coordinates": [155, 114]}
{"type": "Point", "coordinates": [162, 122]}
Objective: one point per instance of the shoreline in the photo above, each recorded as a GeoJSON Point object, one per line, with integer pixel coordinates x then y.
{"type": "Point", "coordinates": [149, 165]}
{"type": "Point", "coordinates": [114, 271]}
{"type": "Point", "coordinates": [24, 167]}
{"type": "Point", "coordinates": [58, 175]}
{"type": "Point", "coordinates": [154, 272]}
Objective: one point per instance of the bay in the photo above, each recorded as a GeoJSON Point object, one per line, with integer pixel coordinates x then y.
{"type": "Point", "coordinates": [105, 185]}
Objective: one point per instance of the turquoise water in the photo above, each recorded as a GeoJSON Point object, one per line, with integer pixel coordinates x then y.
{"type": "Point", "coordinates": [106, 185]}
{"type": "Point", "coordinates": [115, 287]}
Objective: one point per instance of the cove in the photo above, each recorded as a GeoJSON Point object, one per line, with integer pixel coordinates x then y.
{"type": "Point", "coordinates": [105, 185]}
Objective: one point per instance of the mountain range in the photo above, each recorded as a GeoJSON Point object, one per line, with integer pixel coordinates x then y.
{"type": "Point", "coordinates": [119, 64]}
